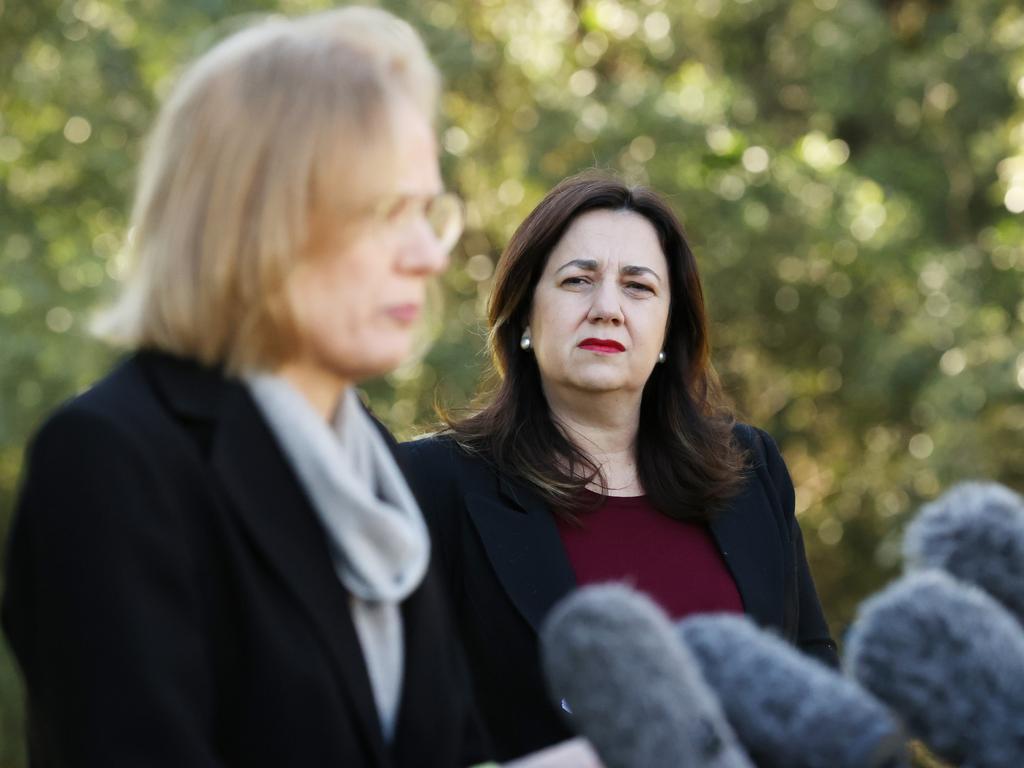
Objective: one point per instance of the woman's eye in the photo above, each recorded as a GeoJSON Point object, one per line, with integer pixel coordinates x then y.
{"type": "Point", "coordinates": [571, 281]}
{"type": "Point", "coordinates": [640, 287]}
{"type": "Point", "coordinates": [398, 211]}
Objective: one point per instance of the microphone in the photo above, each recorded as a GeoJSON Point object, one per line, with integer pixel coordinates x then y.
{"type": "Point", "coordinates": [634, 690]}
{"type": "Point", "coordinates": [789, 710]}
{"type": "Point", "coordinates": [975, 532]}
{"type": "Point", "coordinates": [949, 660]}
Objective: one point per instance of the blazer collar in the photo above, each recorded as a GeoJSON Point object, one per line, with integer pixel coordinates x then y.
{"type": "Point", "coordinates": [190, 390]}
{"type": "Point", "coordinates": [520, 495]}
{"type": "Point", "coordinates": [522, 543]}
{"type": "Point", "coordinates": [268, 500]}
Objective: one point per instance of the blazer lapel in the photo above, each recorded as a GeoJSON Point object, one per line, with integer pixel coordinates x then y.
{"type": "Point", "coordinates": [752, 546]}
{"type": "Point", "coordinates": [270, 502]}
{"type": "Point", "coordinates": [521, 539]}
{"type": "Point", "coordinates": [267, 498]}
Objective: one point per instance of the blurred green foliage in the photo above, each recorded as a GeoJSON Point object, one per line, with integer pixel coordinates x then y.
{"type": "Point", "coordinates": [851, 174]}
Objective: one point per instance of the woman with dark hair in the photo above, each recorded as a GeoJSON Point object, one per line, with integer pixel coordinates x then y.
{"type": "Point", "coordinates": [606, 454]}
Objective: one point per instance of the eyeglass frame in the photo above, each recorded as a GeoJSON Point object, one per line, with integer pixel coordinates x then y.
{"type": "Point", "coordinates": [399, 209]}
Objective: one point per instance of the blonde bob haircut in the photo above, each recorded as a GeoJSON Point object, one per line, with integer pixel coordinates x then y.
{"type": "Point", "coordinates": [273, 127]}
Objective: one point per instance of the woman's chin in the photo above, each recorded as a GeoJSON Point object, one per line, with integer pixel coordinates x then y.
{"type": "Point", "coordinates": [384, 364]}
{"type": "Point", "coordinates": [380, 362]}
{"type": "Point", "coordinates": [601, 384]}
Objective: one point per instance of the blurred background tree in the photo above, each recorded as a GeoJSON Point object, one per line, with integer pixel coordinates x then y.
{"type": "Point", "coordinates": [851, 174]}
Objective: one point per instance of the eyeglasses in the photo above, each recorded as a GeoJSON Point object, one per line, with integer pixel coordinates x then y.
{"type": "Point", "coordinates": [443, 213]}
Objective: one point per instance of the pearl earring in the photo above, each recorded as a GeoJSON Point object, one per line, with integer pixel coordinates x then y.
{"type": "Point", "coordinates": [526, 342]}
{"type": "Point", "coordinates": [661, 356]}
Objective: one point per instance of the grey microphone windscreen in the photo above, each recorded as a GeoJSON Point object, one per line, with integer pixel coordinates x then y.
{"type": "Point", "coordinates": [975, 532]}
{"type": "Point", "coordinates": [634, 690]}
{"type": "Point", "coordinates": [789, 710]}
{"type": "Point", "coordinates": [949, 660]}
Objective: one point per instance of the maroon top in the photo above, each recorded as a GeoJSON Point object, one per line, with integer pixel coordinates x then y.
{"type": "Point", "coordinates": [675, 563]}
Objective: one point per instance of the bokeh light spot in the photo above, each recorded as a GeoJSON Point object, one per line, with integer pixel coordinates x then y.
{"type": "Point", "coordinates": [480, 267]}
{"type": "Point", "coordinates": [10, 301]}
{"type": "Point", "coordinates": [921, 446]}
{"type": "Point", "coordinates": [830, 532]}
{"type": "Point", "coordinates": [787, 298]}
{"type": "Point", "coordinates": [953, 362]}
{"type": "Point", "coordinates": [582, 82]}
{"type": "Point", "coordinates": [10, 149]}
{"type": "Point", "coordinates": [59, 320]}
{"type": "Point", "coordinates": [456, 140]}
{"type": "Point", "coordinates": [657, 26]}
{"type": "Point", "coordinates": [77, 130]}
{"type": "Point", "coordinates": [511, 192]}
{"type": "Point", "coordinates": [1014, 199]}
{"type": "Point", "coordinates": [642, 149]}
{"type": "Point", "coordinates": [755, 159]}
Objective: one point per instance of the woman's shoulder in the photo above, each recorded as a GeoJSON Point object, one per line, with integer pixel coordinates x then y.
{"type": "Point", "coordinates": [438, 455]}
{"type": "Point", "coordinates": [438, 465]}
{"type": "Point", "coordinates": [443, 446]}
{"type": "Point", "coordinates": [430, 445]}
{"type": "Point", "coordinates": [121, 414]}
{"type": "Point", "coordinates": [107, 410]}
{"type": "Point", "coordinates": [766, 465]}
{"type": "Point", "coordinates": [98, 454]}
{"type": "Point", "coordinates": [757, 442]}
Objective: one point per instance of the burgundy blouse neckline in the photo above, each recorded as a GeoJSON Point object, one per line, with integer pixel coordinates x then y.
{"type": "Point", "coordinates": [590, 495]}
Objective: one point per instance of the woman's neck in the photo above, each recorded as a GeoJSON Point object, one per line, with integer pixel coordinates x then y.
{"type": "Point", "coordinates": [603, 426]}
{"type": "Point", "coordinates": [323, 390]}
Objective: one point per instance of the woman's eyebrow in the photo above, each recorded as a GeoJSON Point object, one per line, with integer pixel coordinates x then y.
{"type": "Point", "coordinates": [588, 265]}
{"type": "Point", "coordinates": [638, 270]}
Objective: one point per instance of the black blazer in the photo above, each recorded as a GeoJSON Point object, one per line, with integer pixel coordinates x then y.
{"type": "Point", "coordinates": [505, 567]}
{"type": "Point", "coordinates": [171, 599]}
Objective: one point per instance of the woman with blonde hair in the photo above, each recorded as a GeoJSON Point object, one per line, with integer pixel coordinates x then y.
{"type": "Point", "coordinates": [215, 560]}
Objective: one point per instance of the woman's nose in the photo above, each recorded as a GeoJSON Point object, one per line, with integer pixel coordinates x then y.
{"type": "Point", "coordinates": [424, 253]}
{"type": "Point", "coordinates": [606, 306]}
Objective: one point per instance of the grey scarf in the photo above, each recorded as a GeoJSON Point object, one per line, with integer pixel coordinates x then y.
{"type": "Point", "coordinates": [377, 537]}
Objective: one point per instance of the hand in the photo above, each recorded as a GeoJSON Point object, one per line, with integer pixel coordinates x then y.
{"type": "Point", "coordinates": [576, 753]}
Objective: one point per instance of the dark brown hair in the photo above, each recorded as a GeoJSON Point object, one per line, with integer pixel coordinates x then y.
{"type": "Point", "coordinates": [687, 460]}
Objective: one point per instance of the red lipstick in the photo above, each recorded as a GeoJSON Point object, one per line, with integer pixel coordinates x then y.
{"type": "Point", "coordinates": [602, 346]}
